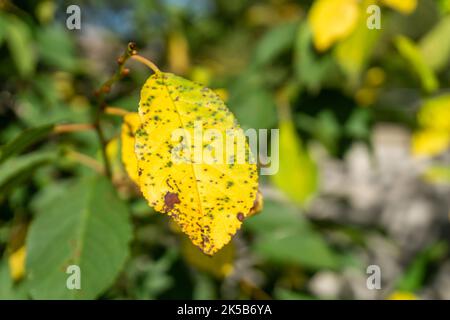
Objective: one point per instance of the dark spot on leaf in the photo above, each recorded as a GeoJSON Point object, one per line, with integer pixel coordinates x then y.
{"type": "Point", "coordinates": [240, 216]}
{"type": "Point", "coordinates": [170, 200]}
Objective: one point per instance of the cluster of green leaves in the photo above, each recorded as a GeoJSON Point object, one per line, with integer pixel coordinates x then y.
{"type": "Point", "coordinates": [263, 53]}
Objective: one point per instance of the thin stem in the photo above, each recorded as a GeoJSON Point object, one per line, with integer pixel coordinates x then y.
{"type": "Point", "coordinates": [73, 127]}
{"type": "Point", "coordinates": [116, 111]}
{"type": "Point", "coordinates": [100, 94]}
{"type": "Point", "coordinates": [106, 87]}
{"type": "Point", "coordinates": [86, 160]}
{"type": "Point", "coordinates": [147, 62]}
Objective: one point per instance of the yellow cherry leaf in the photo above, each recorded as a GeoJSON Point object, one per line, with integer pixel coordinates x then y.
{"type": "Point", "coordinates": [131, 122]}
{"type": "Point", "coordinates": [332, 20]}
{"type": "Point", "coordinates": [403, 6]}
{"type": "Point", "coordinates": [186, 168]}
{"type": "Point", "coordinates": [17, 263]}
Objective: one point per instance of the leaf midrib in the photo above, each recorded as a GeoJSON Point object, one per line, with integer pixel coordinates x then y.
{"type": "Point", "coordinates": [194, 173]}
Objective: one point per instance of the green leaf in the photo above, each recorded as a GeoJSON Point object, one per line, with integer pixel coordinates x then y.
{"type": "Point", "coordinates": [411, 53]}
{"type": "Point", "coordinates": [414, 276]}
{"type": "Point", "coordinates": [435, 46]}
{"type": "Point", "coordinates": [277, 216]}
{"type": "Point", "coordinates": [14, 171]}
{"type": "Point", "coordinates": [353, 53]}
{"type": "Point", "coordinates": [324, 127]}
{"type": "Point", "coordinates": [25, 139]}
{"type": "Point", "coordinates": [88, 226]}
{"type": "Point", "coordinates": [297, 175]}
{"type": "Point", "coordinates": [57, 48]}
{"type": "Point", "coordinates": [9, 291]}
{"type": "Point", "coordinates": [438, 174]}
{"type": "Point", "coordinates": [283, 235]}
{"type": "Point", "coordinates": [285, 294]}
{"type": "Point", "coordinates": [307, 249]}
{"type": "Point", "coordinates": [252, 102]}
{"type": "Point", "coordinates": [275, 42]}
{"type": "Point", "coordinates": [311, 69]}
{"type": "Point", "coordinates": [358, 125]}
{"type": "Point", "coordinates": [3, 25]}
{"type": "Point", "coordinates": [18, 36]}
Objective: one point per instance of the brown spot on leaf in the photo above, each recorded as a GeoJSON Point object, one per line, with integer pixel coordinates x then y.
{"type": "Point", "coordinates": [170, 200]}
{"type": "Point", "coordinates": [240, 216]}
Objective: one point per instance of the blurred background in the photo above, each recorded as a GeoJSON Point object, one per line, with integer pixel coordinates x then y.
{"type": "Point", "coordinates": [364, 119]}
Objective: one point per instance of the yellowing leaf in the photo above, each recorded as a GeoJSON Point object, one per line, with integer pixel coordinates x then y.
{"type": "Point", "coordinates": [438, 174]}
{"type": "Point", "coordinates": [430, 142]}
{"type": "Point", "coordinates": [435, 113]}
{"type": "Point", "coordinates": [258, 205]}
{"type": "Point", "coordinates": [17, 263]}
{"type": "Point", "coordinates": [411, 53]}
{"type": "Point", "coordinates": [178, 53]}
{"type": "Point", "coordinates": [192, 179]}
{"type": "Point", "coordinates": [131, 122]}
{"type": "Point", "coordinates": [201, 74]}
{"type": "Point", "coordinates": [297, 174]}
{"type": "Point", "coordinates": [112, 152]}
{"type": "Point", "coordinates": [353, 53]}
{"type": "Point", "coordinates": [332, 20]}
{"type": "Point", "coordinates": [434, 119]}
{"type": "Point", "coordinates": [401, 295]}
{"type": "Point", "coordinates": [220, 265]}
{"type": "Point", "coordinates": [404, 6]}
{"type": "Point", "coordinates": [222, 93]}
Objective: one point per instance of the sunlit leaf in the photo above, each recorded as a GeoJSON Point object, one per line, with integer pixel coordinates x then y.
{"type": "Point", "coordinates": [208, 199]}
{"type": "Point", "coordinates": [429, 142]}
{"type": "Point", "coordinates": [178, 52]}
{"type": "Point", "coordinates": [297, 174]}
{"type": "Point", "coordinates": [17, 263]}
{"type": "Point", "coordinates": [18, 37]}
{"type": "Point", "coordinates": [332, 20]}
{"type": "Point", "coordinates": [433, 137]}
{"type": "Point", "coordinates": [131, 122]}
{"type": "Point", "coordinates": [404, 6]}
{"type": "Point", "coordinates": [435, 113]}
{"type": "Point", "coordinates": [435, 46]}
{"type": "Point", "coordinates": [402, 295]}
{"type": "Point", "coordinates": [354, 52]}
{"type": "Point", "coordinates": [411, 53]}
{"type": "Point", "coordinates": [438, 174]}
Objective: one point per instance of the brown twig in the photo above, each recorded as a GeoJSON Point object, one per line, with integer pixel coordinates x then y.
{"type": "Point", "coordinates": [86, 160]}
{"type": "Point", "coordinates": [106, 87]}
{"type": "Point", "coordinates": [116, 111]}
{"type": "Point", "coordinates": [73, 127]}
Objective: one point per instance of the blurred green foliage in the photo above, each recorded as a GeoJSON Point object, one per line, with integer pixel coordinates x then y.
{"type": "Point", "coordinates": [262, 54]}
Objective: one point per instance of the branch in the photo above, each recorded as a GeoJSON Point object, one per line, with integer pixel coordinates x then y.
{"type": "Point", "coordinates": [106, 87]}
